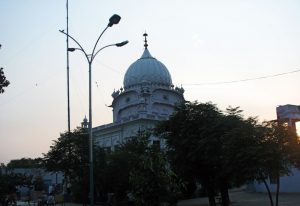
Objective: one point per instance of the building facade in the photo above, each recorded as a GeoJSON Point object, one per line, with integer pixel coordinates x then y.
{"type": "Point", "coordinates": [50, 179]}
{"type": "Point", "coordinates": [289, 114]}
{"type": "Point", "coordinates": [147, 97]}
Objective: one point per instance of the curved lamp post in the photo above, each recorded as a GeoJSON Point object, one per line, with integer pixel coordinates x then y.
{"type": "Point", "coordinates": [90, 57]}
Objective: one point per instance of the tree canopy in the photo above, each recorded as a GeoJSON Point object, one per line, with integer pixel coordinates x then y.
{"type": "Point", "coordinates": [221, 149]}
{"type": "Point", "coordinates": [204, 145]}
{"type": "Point", "coordinates": [69, 154]}
{"type": "Point", "coordinates": [140, 170]}
{"type": "Point", "coordinates": [25, 163]}
{"type": "Point", "coordinates": [9, 182]}
{"type": "Point", "coordinates": [3, 81]}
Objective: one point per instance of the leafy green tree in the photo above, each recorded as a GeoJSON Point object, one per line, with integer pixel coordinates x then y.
{"type": "Point", "coordinates": [100, 174]}
{"type": "Point", "coordinates": [152, 182]}
{"type": "Point", "coordinates": [238, 139]}
{"type": "Point", "coordinates": [3, 81]}
{"type": "Point", "coordinates": [151, 179]}
{"type": "Point", "coordinates": [208, 145]}
{"type": "Point", "coordinates": [141, 170]}
{"type": "Point", "coordinates": [193, 144]}
{"type": "Point", "coordinates": [280, 151]}
{"type": "Point", "coordinates": [121, 162]}
{"type": "Point", "coordinates": [9, 182]}
{"type": "Point", "coordinates": [117, 172]}
{"type": "Point", "coordinates": [223, 149]}
{"type": "Point", "coordinates": [25, 163]}
{"type": "Point", "coordinates": [69, 154]}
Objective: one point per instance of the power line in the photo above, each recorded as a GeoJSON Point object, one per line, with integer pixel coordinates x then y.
{"type": "Point", "coordinates": [242, 80]}
{"type": "Point", "coordinates": [220, 82]}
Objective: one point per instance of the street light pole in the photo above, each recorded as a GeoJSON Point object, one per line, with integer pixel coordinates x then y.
{"type": "Point", "coordinates": [68, 68]}
{"type": "Point", "coordinates": [68, 87]}
{"type": "Point", "coordinates": [91, 142]}
{"type": "Point", "coordinates": [113, 20]}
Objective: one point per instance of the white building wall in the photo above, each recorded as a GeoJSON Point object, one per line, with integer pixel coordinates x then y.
{"type": "Point", "coordinates": [288, 184]}
{"type": "Point", "coordinates": [148, 96]}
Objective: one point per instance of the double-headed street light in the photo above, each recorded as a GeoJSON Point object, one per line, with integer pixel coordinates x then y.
{"type": "Point", "coordinates": [90, 57]}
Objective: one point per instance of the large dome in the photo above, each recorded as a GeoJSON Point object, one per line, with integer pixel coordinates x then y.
{"type": "Point", "coordinates": [147, 70]}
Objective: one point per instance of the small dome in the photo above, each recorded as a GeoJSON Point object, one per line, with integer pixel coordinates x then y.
{"type": "Point", "coordinates": [147, 70]}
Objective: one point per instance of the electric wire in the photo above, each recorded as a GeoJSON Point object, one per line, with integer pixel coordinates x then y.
{"type": "Point", "coordinates": [219, 82]}
{"type": "Point", "coordinates": [241, 80]}
{"type": "Point", "coordinates": [30, 88]}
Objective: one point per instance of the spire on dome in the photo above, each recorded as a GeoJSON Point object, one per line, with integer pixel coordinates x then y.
{"type": "Point", "coordinates": [85, 123]}
{"type": "Point", "coordinates": [146, 44]}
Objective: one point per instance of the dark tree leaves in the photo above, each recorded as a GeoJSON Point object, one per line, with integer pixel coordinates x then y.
{"type": "Point", "coordinates": [3, 81]}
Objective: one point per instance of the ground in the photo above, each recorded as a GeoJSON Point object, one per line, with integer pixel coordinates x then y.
{"type": "Point", "coordinates": [238, 198]}
{"type": "Point", "coordinates": [241, 198]}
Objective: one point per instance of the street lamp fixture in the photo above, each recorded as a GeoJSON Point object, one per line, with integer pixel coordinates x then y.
{"type": "Point", "coordinates": [117, 45]}
{"type": "Point", "coordinates": [71, 49]}
{"type": "Point", "coordinates": [115, 19]}
{"type": "Point", "coordinates": [122, 43]}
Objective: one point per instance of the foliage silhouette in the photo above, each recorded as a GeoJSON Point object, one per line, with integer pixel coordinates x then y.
{"type": "Point", "coordinates": [3, 81]}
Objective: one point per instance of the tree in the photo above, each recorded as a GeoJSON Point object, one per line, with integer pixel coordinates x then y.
{"type": "Point", "coordinates": [138, 168]}
{"type": "Point", "coordinates": [3, 81]}
{"type": "Point", "coordinates": [25, 163]}
{"type": "Point", "coordinates": [119, 163]}
{"type": "Point", "coordinates": [100, 174]}
{"type": "Point", "coordinates": [223, 149]}
{"type": "Point", "coordinates": [69, 154]}
{"type": "Point", "coordinates": [210, 146]}
{"type": "Point", "coordinates": [280, 152]}
{"type": "Point", "coordinates": [193, 143]}
{"type": "Point", "coordinates": [8, 184]}
{"type": "Point", "coordinates": [151, 179]}
{"type": "Point", "coordinates": [238, 138]}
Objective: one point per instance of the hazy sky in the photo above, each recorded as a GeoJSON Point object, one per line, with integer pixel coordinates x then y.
{"type": "Point", "coordinates": [202, 42]}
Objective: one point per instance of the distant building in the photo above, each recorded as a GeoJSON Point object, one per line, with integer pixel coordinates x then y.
{"type": "Point", "coordinates": [289, 114]}
{"type": "Point", "coordinates": [288, 184]}
{"type": "Point", "coordinates": [49, 178]}
{"type": "Point", "coordinates": [147, 97]}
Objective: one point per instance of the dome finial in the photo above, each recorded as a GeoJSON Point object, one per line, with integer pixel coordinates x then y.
{"type": "Point", "coordinates": [146, 44]}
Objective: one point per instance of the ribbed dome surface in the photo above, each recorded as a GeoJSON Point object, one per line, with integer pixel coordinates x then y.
{"type": "Point", "coordinates": [147, 70]}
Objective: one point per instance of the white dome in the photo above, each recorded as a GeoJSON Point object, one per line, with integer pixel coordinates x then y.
{"type": "Point", "coordinates": [147, 70]}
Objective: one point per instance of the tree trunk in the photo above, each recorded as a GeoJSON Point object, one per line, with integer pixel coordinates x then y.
{"type": "Point", "coordinates": [209, 187]}
{"type": "Point", "coordinates": [224, 193]}
{"type": "Point", "coordinates": [269, 192]}
{"type": "Point", "coordinates": [277, 188]}
{"type": "Point", "coordinates": [211, 195]}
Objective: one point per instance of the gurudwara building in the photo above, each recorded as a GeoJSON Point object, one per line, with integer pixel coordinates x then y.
{"type": "Point", "coordinates": [147, 97]}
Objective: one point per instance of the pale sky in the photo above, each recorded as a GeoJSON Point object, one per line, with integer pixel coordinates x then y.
{"type": "Point", "coordinates": [202, 43]}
